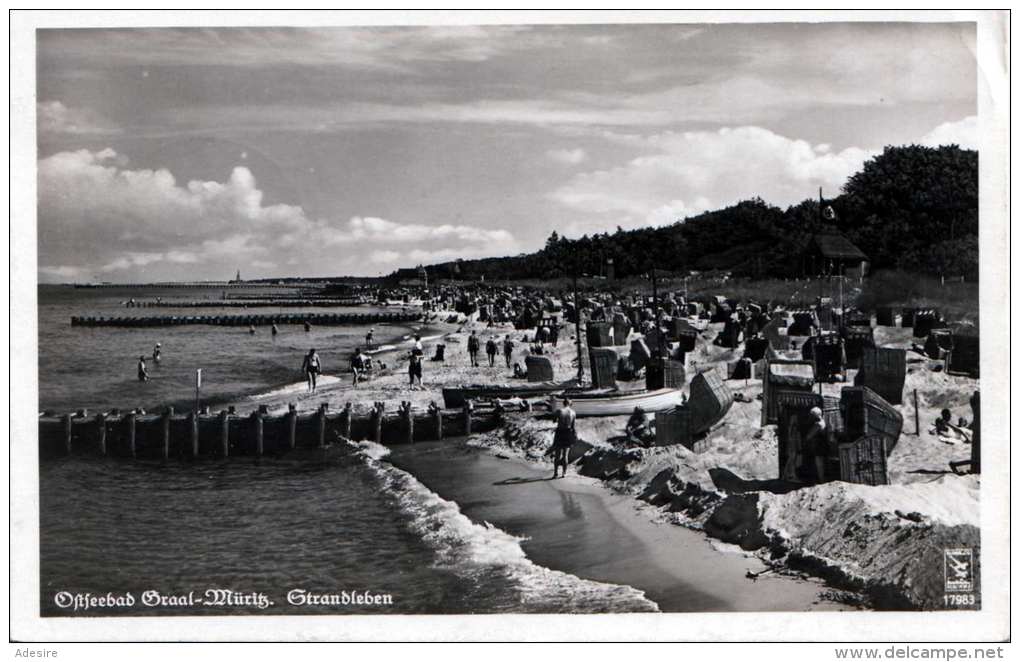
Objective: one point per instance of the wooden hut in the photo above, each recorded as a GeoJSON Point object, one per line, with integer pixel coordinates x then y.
{"type": "Point", "coordinates": [831, 253]}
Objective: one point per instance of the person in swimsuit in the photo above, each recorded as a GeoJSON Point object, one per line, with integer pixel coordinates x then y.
{"type": "Point", "coordinates": [472, 347]}
{"type": "Point", "coordinates": [311, 367]}
{"type": "Point", "coordinates": [143, 373]}
{"type": "Point", "coordinates": [564, 437]}
{"type": "Point", "coordinates": [156, 351]}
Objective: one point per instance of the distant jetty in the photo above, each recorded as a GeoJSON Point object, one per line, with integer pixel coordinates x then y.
{"type": "Point", "coordinates": [322, 319]}
{"type": "Point", "coordinates": [283, 302]}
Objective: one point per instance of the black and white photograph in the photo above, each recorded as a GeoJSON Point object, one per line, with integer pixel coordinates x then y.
{"type": "Point", "coordinates": [481, 315]}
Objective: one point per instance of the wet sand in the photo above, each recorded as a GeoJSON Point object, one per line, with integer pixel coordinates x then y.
{"type": "Point", "coordinates": [577, 526]}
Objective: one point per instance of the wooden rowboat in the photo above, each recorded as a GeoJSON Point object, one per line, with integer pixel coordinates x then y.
{"type": "Point", "coordinates": [455, 396]}
{"type": "Point", "coordinates": [621, 404]}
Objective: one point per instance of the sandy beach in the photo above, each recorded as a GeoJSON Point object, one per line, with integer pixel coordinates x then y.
{"type": "Point", "coordinates": [577, 526]}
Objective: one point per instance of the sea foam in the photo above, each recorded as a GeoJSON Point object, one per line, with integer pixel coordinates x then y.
{"type": "Point", "coordinates": [469, 549]}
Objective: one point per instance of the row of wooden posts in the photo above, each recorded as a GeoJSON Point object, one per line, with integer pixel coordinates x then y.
{"type": "Point", "coordinates": [169, 435]}
{"type": "Point", "coordinates": [246, 320]}
{"type": "Point", "coordinates": [250, 303]}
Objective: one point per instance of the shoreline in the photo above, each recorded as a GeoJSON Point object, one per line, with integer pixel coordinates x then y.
{"type": "Point", "coordinates": [579, 526]}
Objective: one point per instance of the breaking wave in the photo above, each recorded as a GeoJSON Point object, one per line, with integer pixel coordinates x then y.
{"type": "Point", "coordinates": [485, 553]}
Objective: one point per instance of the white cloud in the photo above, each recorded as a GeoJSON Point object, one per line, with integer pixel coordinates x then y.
{"type": "Point", "coordinates": [53, 117]}
{"type": "Point", "coordinates": [98, 218]}
{"type": "Point", "coordinates": [569, 156]}
{"type": "Point", "coordinates": [687, 173]}
{"type": "Point", "coordinates": [964, 133]}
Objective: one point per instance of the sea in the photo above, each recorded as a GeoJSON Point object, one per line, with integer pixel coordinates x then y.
{"type": "Point", "coordinates": [244, 537]}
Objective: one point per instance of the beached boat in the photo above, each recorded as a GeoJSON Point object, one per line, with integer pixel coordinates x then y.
{"type": "Point", "coordinates": [455, 396]}
{"type": "Point", "coordinates": [620, 403]}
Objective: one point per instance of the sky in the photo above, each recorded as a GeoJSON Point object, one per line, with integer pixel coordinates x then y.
{"type": "Point", "coordinates": [189, 154]}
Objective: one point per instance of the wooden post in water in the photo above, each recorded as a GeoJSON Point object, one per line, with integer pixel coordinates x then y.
{"type": "Point", "coordinates": [348, 413]}
{"type": "Point", "coordinates": [166, 432]}
{"type": "Point", "coordinates": [130, 420]}
{"type": "Point", "coordinates": [101, 432]}
{"type": "Point", "coordinates": [257, 416]}
{"type": "Point", "coordinates": [67, 433]}
{"type": "Point", "coordinates": [291, 425]}
{"type": "Point", "coordinates": [321, 418]}
{"type": "Point", "coordinates": [437, 415]}
{"type": "Point", "coordinates": [225, 433]}
{"type": "Point", "coordinates": [405, 411]}
{"type": "Point", "coordinates": [377, 410]}
{"type": "Point", "coordinates": [193, 428]}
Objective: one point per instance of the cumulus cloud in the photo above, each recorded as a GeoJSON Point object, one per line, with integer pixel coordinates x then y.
{"type": "Point", "coordinates": [690, 172]}
{"type": "Point", "coordinates": [53, 117]}
{"type": "Point", "coordinates": [98, 218]}
{"type": "Point", "coordinates": [568, 156]}
{"type": "Point", "coordinates": [964, 133]}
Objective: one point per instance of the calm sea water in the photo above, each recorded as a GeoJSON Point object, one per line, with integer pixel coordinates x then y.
{"type": "Point", "coordinates": [352, 523]}
{"type": "Point", "coordinates": [96, 368]}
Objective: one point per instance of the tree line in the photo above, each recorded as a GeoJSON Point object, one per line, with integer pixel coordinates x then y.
{"type": "Point", "coordinates": [913, 208]}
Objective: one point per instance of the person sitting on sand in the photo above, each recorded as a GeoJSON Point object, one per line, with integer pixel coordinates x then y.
{"type": "Point", "coordinates": [472, 347]}
{"type": "Point", "coordinates": [508, 349]}
{"type": "Point", "coordinates": [311, 367]}
{"type": "Point", "coordinates": [564, 437]}
{"type": "Point", "coordinates": [639, 428]}
{"type": "Point", "coordinates": [950, 432]}
{"type": "Point", "coordinates": [490, 350]}
{"type": "Point", "coordinates": [143, 373]}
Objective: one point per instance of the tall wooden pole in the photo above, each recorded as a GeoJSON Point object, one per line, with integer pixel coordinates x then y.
{"type": "Point", "coordinates": [577, 331]}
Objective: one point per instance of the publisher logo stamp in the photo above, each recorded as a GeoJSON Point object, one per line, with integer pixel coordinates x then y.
{"type": "Point", "coordinates": [959, 570]}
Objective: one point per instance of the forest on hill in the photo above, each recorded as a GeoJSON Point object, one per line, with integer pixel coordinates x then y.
{"type": "Point", "coordinates": [911, 208]}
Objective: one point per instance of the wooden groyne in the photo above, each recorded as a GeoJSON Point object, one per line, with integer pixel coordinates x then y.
{"type": "Point", "coordinates": [251, 303]}
{"type": "Point", "coordinates": [198, 285]}
{"type": "Point", "coordinates": [169, 435]}
{"type": "Point", "coordinates": [322, 319]}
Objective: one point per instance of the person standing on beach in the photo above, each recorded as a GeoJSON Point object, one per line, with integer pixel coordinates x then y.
{"type": "Point", "coordinates": [368, 338]}
{"type": "Point", "coordinates": [490, 349]}
{"type": "Point", "coordinates": [564, 437]}
{"type": "Point", "coordinates": [311, 367]}
{"type": "Point", "coordinates": [472, 346]}
{"type": "Point", "coordinates": [143, 373]}
{"type": "Point", "coordinates": [414, 369]}
{"type": "Point", "coordinates": [275, 330]}
{"type": "Point", "coordinates": [156, 351]}
{"type": "Point", "coordinates": [418, 350]}
{"type": "Point", "coordinates": [508, 349]}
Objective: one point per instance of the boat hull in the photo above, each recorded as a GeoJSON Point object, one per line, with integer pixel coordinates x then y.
{"type": "Point", "coordinates": [623, 404]}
